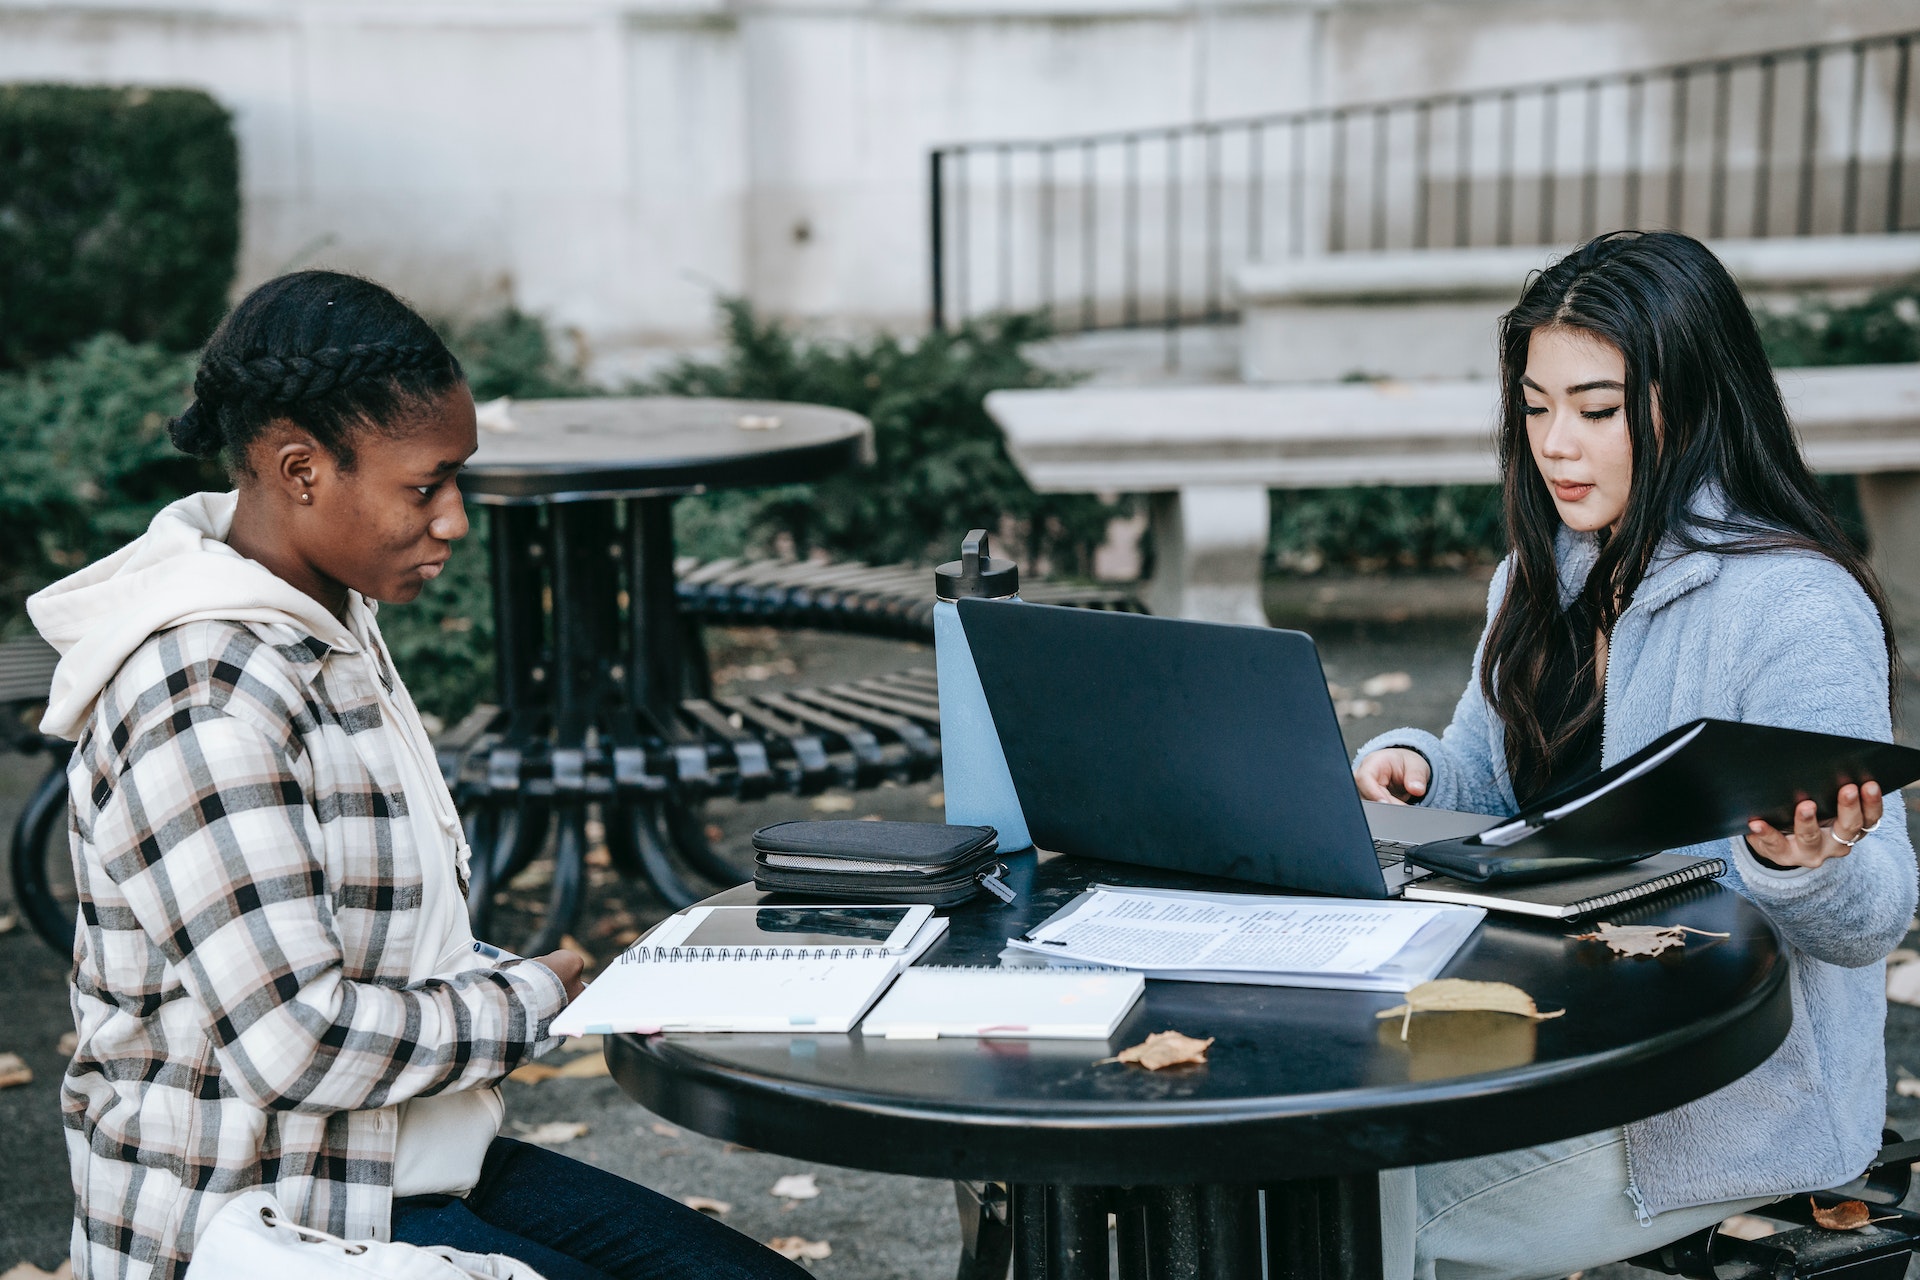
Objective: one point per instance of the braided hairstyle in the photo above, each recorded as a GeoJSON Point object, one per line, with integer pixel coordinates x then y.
{"type": "Point", "coordinates": [333, 354]}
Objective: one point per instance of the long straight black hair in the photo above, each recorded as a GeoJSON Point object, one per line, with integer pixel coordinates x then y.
{"type": "Point", "coordinates": [1692, 350]}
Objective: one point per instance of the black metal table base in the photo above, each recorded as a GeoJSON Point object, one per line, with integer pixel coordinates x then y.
{"type": "Point", "coordinates": [1313, 1229]}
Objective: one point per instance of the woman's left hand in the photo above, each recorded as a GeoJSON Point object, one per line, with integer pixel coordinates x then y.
{"type": "Point", "coordinates": [1809, 843]}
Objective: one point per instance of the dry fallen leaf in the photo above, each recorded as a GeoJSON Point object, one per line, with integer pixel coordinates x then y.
{"type": "Point", "coordinates": [1848, 1215]}
{"type": "Point", "coordinates": [1907, 1087]}
{"type": "Point", "coordinates": [728, 1148]}
{"type": "Point", "coordinates": [27, 1271]}
{"type": "Point", "coordinates": [798, 1248]}
{"type": "Point", "coordinates": [664, 1130]}
{"type": "Point", "coordinates": [14, 1070]}
{"type": "Point", "coordinates": [1744, 1226]}
{"type": "Point", "coordinates": [832, 804]}
{"type": "Point", "coordinates": [1384, 683]}
{"type": "Point", "coordinates": [938, 800]}
{"type": "Point", "coordinates": [1642, 939]}
{"type": "Point", "coordinates": [707, 1204]}
{"type": "Point", "coordinates": [1163, 1049]}
{"type": "Point", "coordinates": [552, 1133]}
{"type": "Point", "coordinates": [9, 922]}
{"type": "Point", "coordinates": [68, 1043]}
{"type": "Point", "coordinates": [795, 1186]}
{"type": "Point", "coordinates": [1462, 995]}
{"type": "Point", "coordinates": [1903, 982]}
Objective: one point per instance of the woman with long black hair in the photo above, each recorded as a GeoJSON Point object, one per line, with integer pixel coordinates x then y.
{"type": "Point", "coordinates": [1672, 558]}
{"type": "Point", "coordinates": [274, 984]}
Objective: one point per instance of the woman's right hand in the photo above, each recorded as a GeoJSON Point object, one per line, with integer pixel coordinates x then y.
{"type": "Point", "coordinates": [1393, 775]}
{"type": "Point", "coordinates": [566, 966]}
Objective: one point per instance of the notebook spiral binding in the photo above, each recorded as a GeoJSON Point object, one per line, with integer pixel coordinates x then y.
{"type": "Point", "coordinates": [1706, 869]}
{"type": "Point", "coordinates": [674, 955]}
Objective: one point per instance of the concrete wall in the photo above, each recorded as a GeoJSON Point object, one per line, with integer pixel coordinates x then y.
{"type": "Point", "coordinates": [612, 163]}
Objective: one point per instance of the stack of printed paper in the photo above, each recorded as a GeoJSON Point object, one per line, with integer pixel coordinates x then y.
{"type": "Point", "coordinates": [1244, 937]}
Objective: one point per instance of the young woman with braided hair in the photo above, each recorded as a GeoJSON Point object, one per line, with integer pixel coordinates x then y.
{"type": "Point", "coordinates": [274, 984]}
{"type": "Point", "coordinates": [1672, 557]}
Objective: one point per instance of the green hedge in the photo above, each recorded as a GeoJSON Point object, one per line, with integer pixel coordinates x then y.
{"type": "Point", "coordinates": [88, 461]}
{"type": "Point", "coordinates": [119, 213]}
{"type": "Point", "coordinates": [941, 464]}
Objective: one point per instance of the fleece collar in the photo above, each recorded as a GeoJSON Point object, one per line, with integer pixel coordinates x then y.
{"type": "Point", "coordinates": [180, 570]}
{"type": "Point", "coordinates": [1674, 572]}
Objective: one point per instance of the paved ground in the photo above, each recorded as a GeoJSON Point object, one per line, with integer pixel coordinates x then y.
{"type": "Point", "coordinates": [880, 1228]}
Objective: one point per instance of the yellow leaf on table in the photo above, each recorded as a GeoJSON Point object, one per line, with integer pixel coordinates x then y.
{"type": "Point", "coordinates": [552, 1133]}
{"type": "Point", "coordinates": [799, 1248]}
{"type": "Point", "coordinates": [1642, 939]}
{"type": "Point", "coordinates": [1163, 1049]}
{"type": "Point", "coordinates": [1462, 995]}
{"type": "Point", "coordinates": [14, 1070]}
{"type": "Point", "coordinates": [707, 1204]}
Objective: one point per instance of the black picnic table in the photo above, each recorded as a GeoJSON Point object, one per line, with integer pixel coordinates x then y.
{"type": "Point", "coordinates": [1268, 1152]}
{"type": "Point", "coordinates": [592, 651]}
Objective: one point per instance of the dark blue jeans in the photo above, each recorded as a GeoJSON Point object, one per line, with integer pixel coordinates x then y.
{"type": "Point", "coordinates": [571, 1221]}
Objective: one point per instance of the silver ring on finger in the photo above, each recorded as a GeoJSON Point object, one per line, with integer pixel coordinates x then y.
{"type": "Point", "coordinates": [1870, 827]}
{"type": "Point", "coordinates": [1857, 838]}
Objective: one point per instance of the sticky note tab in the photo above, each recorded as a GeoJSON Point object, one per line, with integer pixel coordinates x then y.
{"type": "Point", "coordinates": [913, 1031]}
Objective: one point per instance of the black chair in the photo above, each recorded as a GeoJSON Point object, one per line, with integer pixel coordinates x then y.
{"type": "Point", "coordinates": [1806, 1250]}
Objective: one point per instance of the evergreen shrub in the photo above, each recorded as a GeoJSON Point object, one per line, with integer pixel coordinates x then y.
{"type": "Point", "coordinates": [119, 213]}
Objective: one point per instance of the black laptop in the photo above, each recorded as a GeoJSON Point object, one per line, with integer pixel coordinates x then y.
{"type": "Point", "coordinates": [1194, 746]}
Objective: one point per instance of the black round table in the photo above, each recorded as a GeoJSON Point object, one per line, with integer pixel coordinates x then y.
{"type": "Point", "coordinates": [592, 655]}
{"type": "Point", "coordinates": [1271, 1148]}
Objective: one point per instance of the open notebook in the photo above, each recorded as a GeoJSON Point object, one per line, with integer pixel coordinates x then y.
{"type": "Point", "coordinates": [652, 989]}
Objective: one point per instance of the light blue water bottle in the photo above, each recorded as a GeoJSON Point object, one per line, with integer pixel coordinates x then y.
{"type": "Point", "coordinates": [972, 763]}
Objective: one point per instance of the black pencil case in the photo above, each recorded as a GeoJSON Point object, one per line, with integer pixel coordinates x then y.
{"type": "Point", "coordinates": [927, 862]}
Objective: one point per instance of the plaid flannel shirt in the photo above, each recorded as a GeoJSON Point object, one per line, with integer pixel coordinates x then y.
{"type": "Point", "coordinates": [249, 888]}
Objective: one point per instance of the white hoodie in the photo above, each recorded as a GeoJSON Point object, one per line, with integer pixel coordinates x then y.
{"type": "Point", "coordinates": [182, 570]}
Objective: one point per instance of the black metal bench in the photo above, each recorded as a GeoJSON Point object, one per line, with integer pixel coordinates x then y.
{"type": "Point", "coordinates": [42, 881]}
{"type": "Point", "coordinates": [894, 600]}
{"type": "Point", "coordinates": [649, 778]}
{"type": "Point", "coordinates": [1805, 1250]}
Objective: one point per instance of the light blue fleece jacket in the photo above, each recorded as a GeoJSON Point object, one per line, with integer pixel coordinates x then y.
{"type": "Point", "coordinates": [1780, 638]}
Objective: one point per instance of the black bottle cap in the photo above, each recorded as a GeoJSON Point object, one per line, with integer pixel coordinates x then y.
{"type": "Point", "coordinates": [976, 573]}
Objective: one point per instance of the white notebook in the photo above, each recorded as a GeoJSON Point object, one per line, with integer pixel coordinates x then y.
{"type": "Point", "coordinates": [652, 989]}
{"type": "Point", "coordinates": [1021, 1004]}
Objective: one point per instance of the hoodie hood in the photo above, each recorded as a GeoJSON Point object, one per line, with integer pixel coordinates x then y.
{"type": "Point", "coordinates": [180, 570]}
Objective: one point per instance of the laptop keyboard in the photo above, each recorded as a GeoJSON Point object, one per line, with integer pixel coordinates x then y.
{"type": "Point", "coordinates": [1390, 852]}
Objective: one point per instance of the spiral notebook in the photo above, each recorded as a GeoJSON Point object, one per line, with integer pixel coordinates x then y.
{"type": "Point", "coordinates": [803, 989]}
{"type": "Point", "coordinates": [1574, 896]}
{"type": "Point", "coordinates": [1012, 1004]}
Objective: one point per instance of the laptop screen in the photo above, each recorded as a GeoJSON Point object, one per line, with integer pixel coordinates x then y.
{"type": "Point", "coordinates": [1194, 746]}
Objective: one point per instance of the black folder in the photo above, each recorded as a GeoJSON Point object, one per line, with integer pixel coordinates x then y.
{"type": "Point", "coordinates": [1702, 781]}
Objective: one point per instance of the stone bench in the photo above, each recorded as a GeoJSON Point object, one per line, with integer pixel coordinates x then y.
{"type": "Point", "coordinates": [1207, 457]}
{"type": "Point", "coordinates": [1432, 313]}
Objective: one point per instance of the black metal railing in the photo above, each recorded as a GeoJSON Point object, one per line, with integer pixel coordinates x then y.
{"type": "Point", "coordinates": [1148, 227]}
